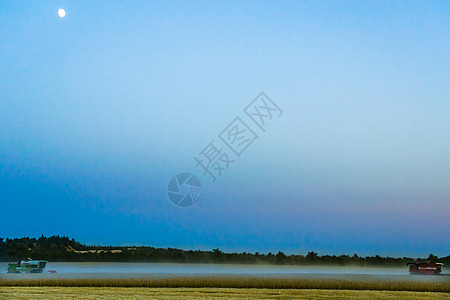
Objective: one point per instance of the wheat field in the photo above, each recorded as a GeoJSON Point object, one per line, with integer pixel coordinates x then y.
{"type": "Point", "coordinates": [53, 293]}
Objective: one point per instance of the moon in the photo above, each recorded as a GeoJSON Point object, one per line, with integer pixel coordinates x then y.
{"type": "Point", "coordinates": [61, 12]}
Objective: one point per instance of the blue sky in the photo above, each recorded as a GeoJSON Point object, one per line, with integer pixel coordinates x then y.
{"type": "Point", "coordinates": [99, 109]}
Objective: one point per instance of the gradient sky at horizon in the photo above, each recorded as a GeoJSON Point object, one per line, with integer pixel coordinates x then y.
{"type": "Point", "coordinates": [99, 109]}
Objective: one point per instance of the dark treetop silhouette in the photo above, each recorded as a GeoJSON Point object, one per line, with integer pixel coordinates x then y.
{"type": "Point", "coordinates": [61, 248]}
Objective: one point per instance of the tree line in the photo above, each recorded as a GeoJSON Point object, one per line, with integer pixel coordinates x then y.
{"type": "Point", "coordinates": [62, 248]}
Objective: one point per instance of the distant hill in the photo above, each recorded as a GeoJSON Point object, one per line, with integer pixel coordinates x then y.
{"type": "Point", "coordinates": [62, 248]}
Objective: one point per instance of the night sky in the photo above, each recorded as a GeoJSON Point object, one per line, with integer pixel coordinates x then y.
{"type": "Point", "coordinates": [101, 108]}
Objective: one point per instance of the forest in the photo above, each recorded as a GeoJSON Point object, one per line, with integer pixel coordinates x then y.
{"type": "Point", "coordinates": [65, 249]}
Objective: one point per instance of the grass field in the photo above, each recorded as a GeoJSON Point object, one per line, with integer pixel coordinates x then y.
{"type": "Point", "coordinates": [204, 293]}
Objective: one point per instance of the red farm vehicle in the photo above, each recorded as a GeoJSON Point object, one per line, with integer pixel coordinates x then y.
{"type": "Point", "coordinates": [425, 268]}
